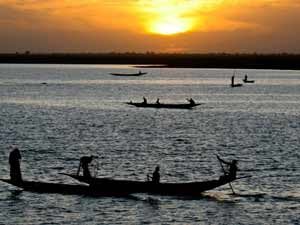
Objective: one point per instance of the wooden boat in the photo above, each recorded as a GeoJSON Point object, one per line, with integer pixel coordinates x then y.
{"type": "Point", "coordinates": [129, 74]}
{"type": "Point", "coordinates": [69, 189]}
{"type": "Point", "coordinates": [248, 81]}
{"type": "Point", "coordinates": [162, 105]}
{"type": "Point", "coordinates": [236, 85]}
{"type": "Point", "coordinates": [177, 189]}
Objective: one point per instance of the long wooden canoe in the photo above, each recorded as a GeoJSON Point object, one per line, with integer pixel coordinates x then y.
{"type": "Point", "coordinates": [177, 189]}
{"type": "Point", "coordinates": [162, 105]}
{"type": "Point", "coordinates": [69, 189]}
{"type": "Point", "coordinates": [128, 74]}
{"type": "Point", "coordinates": [248, 81]}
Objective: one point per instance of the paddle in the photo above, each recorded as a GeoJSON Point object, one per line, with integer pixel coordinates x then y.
{"type": "Point", "coordinates": [225, 174]}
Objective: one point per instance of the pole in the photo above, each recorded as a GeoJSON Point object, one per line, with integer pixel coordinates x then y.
{"type": "Point", "coordinates": [225, 175]}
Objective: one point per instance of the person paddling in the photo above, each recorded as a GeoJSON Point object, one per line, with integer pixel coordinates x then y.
{"type": "Point", "coordinates": [231, 173]}
{"type": "Point", "coordinates": [84, 164]}
{"type": "Point", "coordinates": [191, 101]}
{"type": "Point", "coordinates": [15, 168]}
{"type": "Point", "coordinates": [155, 176]}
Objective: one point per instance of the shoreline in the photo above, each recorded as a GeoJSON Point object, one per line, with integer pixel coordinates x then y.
{"type": "Point", "coordinates": [161, 60]}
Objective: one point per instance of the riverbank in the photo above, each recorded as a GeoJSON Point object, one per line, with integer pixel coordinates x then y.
{"type": "Point", "coordinates": [234, 61]}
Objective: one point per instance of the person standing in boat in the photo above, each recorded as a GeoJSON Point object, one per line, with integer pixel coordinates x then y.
{"type": "Point", "coordinates": [246, 78]}
{"type": "Point", "coordinates": [84, 164]}
{"type": "Point", "coordinates": [157, 101]}
{"type": "Point", "coordinates": [156, 176]}
{"type": "Point", "coordinates": [232, 81]}
{"type": "Point", "coordinates": [144, 100]}
{"type": "Point", "coordinates": [231, 174]}
{"type": "Point", "coordinates": [15, 168]}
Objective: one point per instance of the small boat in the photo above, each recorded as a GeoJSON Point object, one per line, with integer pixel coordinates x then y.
{"type": "Point", "coordinates": [175, 189]}
{"type": "Point", "coordinates": [248, 81]}
{"type": "Point", "coordinates": [245, 80]}
{"type": "Point", "coordinates": [67, 189]}
{"type": "Point", "coordinates": [129, 74]}
{"type": "Point", "coordinates": [162, 105]}
{"type": "Point", "coordinates": [236, 85]}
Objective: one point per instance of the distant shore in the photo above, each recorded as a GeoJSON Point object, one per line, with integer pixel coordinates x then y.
{"type": "Point", "coordinates": [150, 60]}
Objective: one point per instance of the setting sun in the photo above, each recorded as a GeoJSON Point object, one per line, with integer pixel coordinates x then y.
{"type": "Point", "coordinates": [169, 17]}
{"type": "Point", "coordinates": [170, 26]}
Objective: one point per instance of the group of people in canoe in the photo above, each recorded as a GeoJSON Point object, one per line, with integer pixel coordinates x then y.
{"type": "Point", "coordinates": [190, 100]}
{"type": "Point", "coordinates": [85, 161]}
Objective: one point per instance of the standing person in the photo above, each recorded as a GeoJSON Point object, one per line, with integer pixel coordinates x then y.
{"type": "Point", "coordinates": [232, 168]}
{"type": "Point", "coordinates": [156, 176]}
{"type": "Point", "coordinates": [157, 101]}
{"type": "Point", "coordinates": [232, 81]}
{"type": "Point", "coordinates": [15, 168]}
{"type": "Point", "coordinates": [84, 164]}
{"type": "Point", "coordinates": [144, 100]}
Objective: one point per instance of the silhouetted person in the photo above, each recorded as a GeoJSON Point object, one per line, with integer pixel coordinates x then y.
{"type": "Point", "coordinates": [84, 164]}
{"type": "Point", "coordinates": [232, 168]}
{"type": "Point", "coordinates": [232, 81]}
{"type": "Point", "coordinates": [157, 101]}
{"type": "Point", "coordinates": [191, 101]}
{"type": "Point", "coordinates": [144, 100]}
{"type": "Point", "coordinates": [15, 169]}
{"type": "Point", "coordinates": [156, 175]}
{"type": "Point", "coordinates": [246, 78]}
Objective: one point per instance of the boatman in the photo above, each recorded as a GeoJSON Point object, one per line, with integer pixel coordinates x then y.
{"type": "Point", "coordinates": [84, 164]}
{"type": "Point", "coordinates": [232, 81]}
{"type": "Point", "coordinates": [15, 168]}
{"type": "Point", "coordinates": [156, 175]}
{"type": "Point", "coordinates": [191, 101]}
{"type": "Point", "coordinates": [144, 100]}
{"type": "Point", "coordinates": [231, 174]}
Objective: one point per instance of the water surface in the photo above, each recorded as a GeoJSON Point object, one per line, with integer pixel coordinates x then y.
{"type": "Point", "coordinates": [57, 113]}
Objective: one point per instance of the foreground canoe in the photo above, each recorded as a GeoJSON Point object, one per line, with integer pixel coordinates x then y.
{"type": "Point", "coordinates": [161, 105]}
{"type": "Point", "coordinates": [67, 189]}
{"type": "Point", "coordinates": [128, 74]}
{"type": "Point", "coordinates": [177, 189]}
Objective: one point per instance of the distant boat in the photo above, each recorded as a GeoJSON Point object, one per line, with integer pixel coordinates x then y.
{"type": "Point", "coordinates": [162, 105]}
{"type": "Point", "coordinates": [129, 74]}
{"type": "Point", "coordinates": [245, 80]}
{"type": "Point", "coordinates": [249, 81]}
{"type": "Point", "coordinates": [236, 85]}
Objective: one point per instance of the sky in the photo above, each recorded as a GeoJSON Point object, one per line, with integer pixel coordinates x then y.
{"type": "Point", "coordinates": [187, 26]}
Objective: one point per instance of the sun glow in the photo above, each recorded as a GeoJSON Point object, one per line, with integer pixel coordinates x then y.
{"type": "Point", "coordinates": [170, 26]}
{"type": "Point", "coordinates": [170, 17]}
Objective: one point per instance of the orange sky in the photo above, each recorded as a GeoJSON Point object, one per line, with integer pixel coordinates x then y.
{"type": "Point", "coordinates": [264, 26]}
